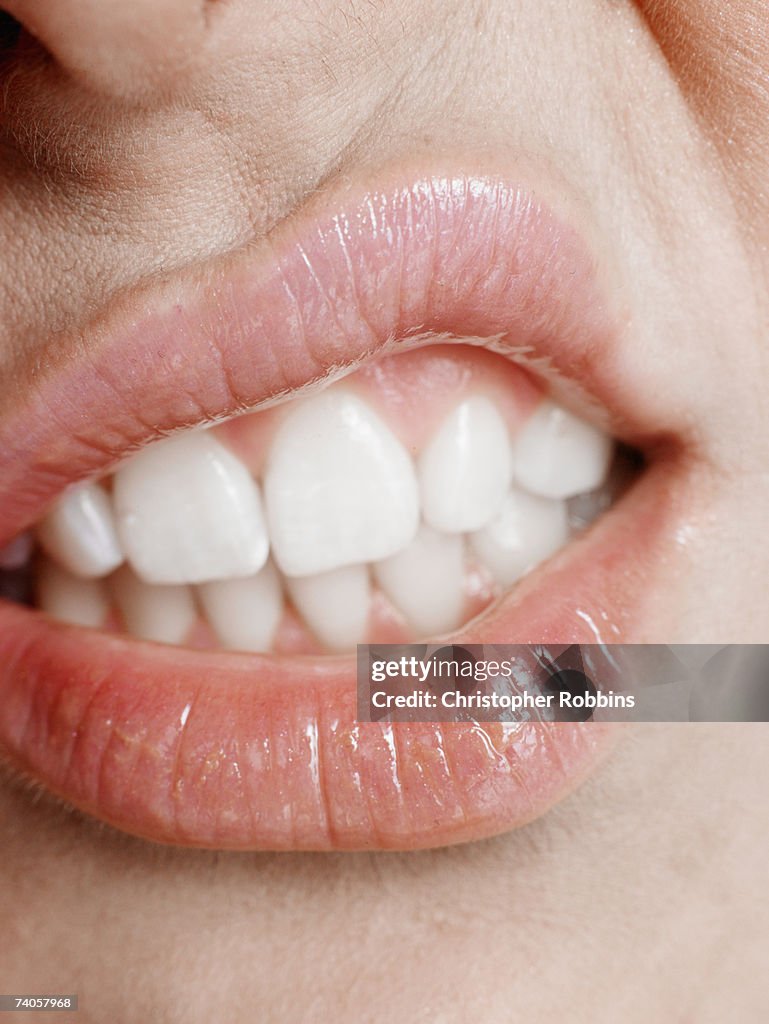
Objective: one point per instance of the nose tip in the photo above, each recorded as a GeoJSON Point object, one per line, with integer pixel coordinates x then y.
{"type": "Point", "coordinates": [123, 50]}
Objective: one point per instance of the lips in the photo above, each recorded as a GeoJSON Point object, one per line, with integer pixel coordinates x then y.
{"type": "Point", "coordinates": [235, 751]}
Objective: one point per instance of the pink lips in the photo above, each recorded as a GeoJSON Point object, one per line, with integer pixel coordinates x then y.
{"type": "Point", "coordinates": [255, 752]}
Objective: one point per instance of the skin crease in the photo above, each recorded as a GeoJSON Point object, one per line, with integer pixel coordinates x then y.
{"type": "Point", "coordinates": [637, 898]}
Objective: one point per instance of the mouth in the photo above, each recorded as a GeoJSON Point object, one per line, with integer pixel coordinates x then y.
{"type": "Point", "coordinates": [405, 414]}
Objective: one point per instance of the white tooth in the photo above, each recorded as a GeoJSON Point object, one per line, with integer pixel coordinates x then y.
{"type": "Point", "coordinates": [79, 532]}
{"type": "Point", "coordinates": [557, 455]}
{"type": "Point", "coordinates": [527, 530]}
{"type": "Point", "coordinates": [161, 613]}
{"type": "Point", "coordinates": [188, 512]}
{"type": "Point", "coordinates": [334, 604]}
{"type": "Point", "coordinates": [340, 488]}
{"type": "Point", "coordinates": [244, 613]}
{"type": "Point", "coordinates": [466, 468]}
{"type": "Point", "coordinates": [424, 581]}
{"type": "Point", "coordinates": [71, 598]}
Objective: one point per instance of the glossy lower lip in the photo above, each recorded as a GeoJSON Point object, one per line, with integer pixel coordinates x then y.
{"type": "Point", "coordinates": [254, 752]}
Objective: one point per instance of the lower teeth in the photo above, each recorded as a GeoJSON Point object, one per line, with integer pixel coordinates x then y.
{"type": "Point", "coordinates": [344, 482]}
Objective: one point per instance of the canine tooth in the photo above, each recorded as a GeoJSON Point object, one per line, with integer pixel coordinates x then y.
{"type": "Point", "coordinates": [161, 613]}
{"type": "Point", "coordinates": [188, 512]}
{"type": "Point", "coordinates": [465, 469]}
{"type": "Point", "coordinates": [558, 455]}
{"type": "Point", "coordinates": [425, 580]}
{"type": "Point", "coordinates": [71, 598]}
{"type": "Point", "coordinates": [334, 604]}
{"type": "Point", "coordinates": [340, 488]}
{"type": "Point", "coordinates": [527, 530]}
{"type": "Point", "coordinates": [79, 532]}
{"type": "Point", "coordinates": [244, 613]}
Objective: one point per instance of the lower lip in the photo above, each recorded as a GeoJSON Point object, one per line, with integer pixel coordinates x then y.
{"type": "Point", "coordinates": [245, 752]}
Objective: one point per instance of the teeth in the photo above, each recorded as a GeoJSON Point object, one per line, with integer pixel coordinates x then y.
{"type": "Point", "coordinates": [340, 488]}
{"type": "Point", "coordinates": [18, 552]}
{"type": "Point", "coordinates": [161, 613]}
{"type": "Point", "coordinates": [335, 605]}
{"type": "Point", "coordinates": [584, 509]}
{"type": "Point", "coordinates": [188, 512]}
{"type": "Point", "coordinates": [557, 455]}
{"type": "Point", "coordinates": [79, 532]}
{"type": "Point", "coordinates": [466, 468]}
{"type": "Point", "coordinates": [347, 511]}
{"type": "Point", "coordinates": [244, 613]}
{"type": "Point", "coordinates": [527, 530]}
{"type": "Point", "coordinates": [71, 598]}
{"type": "Point", "coordinates": [425, 581]}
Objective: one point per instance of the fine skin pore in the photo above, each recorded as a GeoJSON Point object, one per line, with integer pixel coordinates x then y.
{"type": "Point", "coordinates": [126, 159]}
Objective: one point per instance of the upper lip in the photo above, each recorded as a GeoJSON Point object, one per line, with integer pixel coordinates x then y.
{"type": "Point", "coordinates": [462, 255]}
{"type": "Point", "coordinates": [108, 723]}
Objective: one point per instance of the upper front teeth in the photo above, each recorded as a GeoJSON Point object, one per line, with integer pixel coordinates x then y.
{"type": "Point", "coordinates": [188, 511]}
{"type": "Point", "coordinates": [466, 467]}
{"type": "Point", "coordinates": [340, 488]}
{"type": "Point", "coordinates": [347, 508]}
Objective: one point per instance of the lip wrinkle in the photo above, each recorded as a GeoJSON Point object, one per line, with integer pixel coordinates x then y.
{"type": "Point", "coordinates": [177, 782]}
{"type": "Point", "coordinates": [442, 748]}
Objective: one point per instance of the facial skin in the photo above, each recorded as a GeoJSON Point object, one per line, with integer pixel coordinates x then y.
{"type": "Point", "coordinates": [137, 140]}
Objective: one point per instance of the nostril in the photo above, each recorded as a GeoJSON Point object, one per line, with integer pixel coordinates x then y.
{"type": "Point", "coordinates": [9, 32]}
{"type": "Point", "coordinates": [134, 53]}
{"type": "Point", "coordinates": [24, 53]}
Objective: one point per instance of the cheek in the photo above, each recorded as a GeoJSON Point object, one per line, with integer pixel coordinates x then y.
{"type": "Point", "coordinates": [720, 55]}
